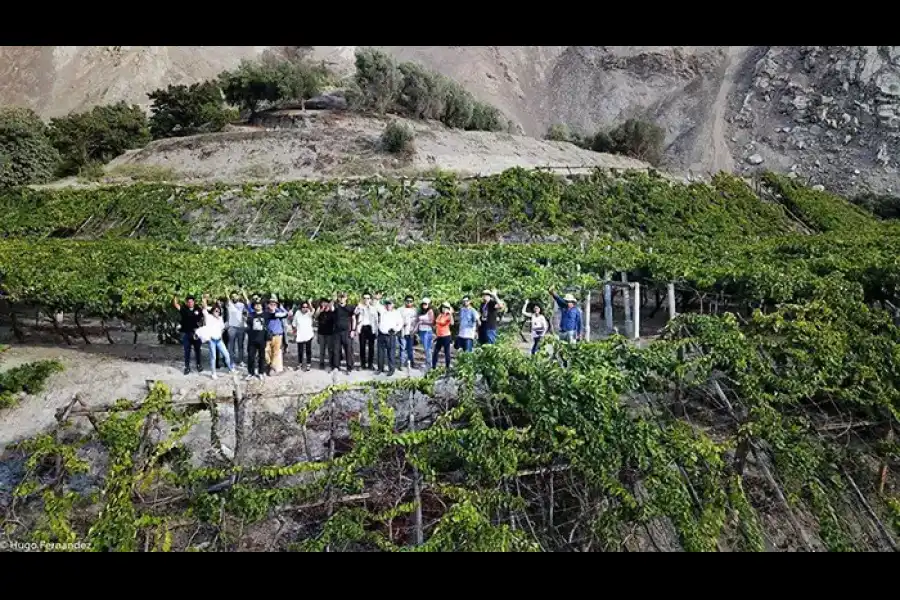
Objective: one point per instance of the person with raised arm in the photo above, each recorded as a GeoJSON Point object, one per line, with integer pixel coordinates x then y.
{"type": "Point", "coordinates": [491, 309]}
{"type": "Point", "coordinates": [539, 324]}
{"type": "Point", "coordinates": [237, 328]}
{"type": "Point", "coordinates": [367, 328]}
{"type": "Point", "coordinates": [256, 340]}
{"type": "Point", "coordinates": [211, 333]}
{"type": "Point", "coordinates": [325, 332]}
{"type": "Point", "coordinates": [571, 323]}
{"type": "Point", "coordinates": [468, 325]}
{"type": "Point", "coordinates": [191, 320]}
{"type": "Point", "coordinates": [344, 332]}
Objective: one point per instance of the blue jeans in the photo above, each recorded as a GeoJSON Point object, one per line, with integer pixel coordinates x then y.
{"type": "Point", "coordinates": [218, 345]}
{"type": "Point", "coordinates": [534, 349]}
{"type": "Point", "coordinates": [568, 336]}
{"type": "Point", "coordinates": [441, 343]}
{"type": "Point", "coordinates": [466, 344]}
{"type": "Point", "coordinates": [188, 341]}
{"type": "Point", "coordinates": [406, 350]}
{"type": "Point", "coordinates": [426, 337]}
{"type": "Point", "coordinates": [488, 336]}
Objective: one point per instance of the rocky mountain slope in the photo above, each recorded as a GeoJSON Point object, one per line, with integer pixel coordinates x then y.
{"type": "Point", "coordinates": [828, 114]}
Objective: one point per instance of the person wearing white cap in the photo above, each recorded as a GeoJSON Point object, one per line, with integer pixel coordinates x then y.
{"type": "Point", "coordinates": [491, 307]}
{"type": "Point", "coordinates": [571, 324]}
{"type": "Point", "coordinates": [425, 324]}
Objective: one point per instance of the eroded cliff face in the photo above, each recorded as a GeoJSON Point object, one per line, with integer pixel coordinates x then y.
{"type": "Point", "coordinates": [823, 113]}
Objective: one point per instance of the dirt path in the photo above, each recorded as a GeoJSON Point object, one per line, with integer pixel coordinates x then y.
{"type": "Point", "coordinates": [101, 378]}
{"type": "Point", "coordinates": [715, 155]}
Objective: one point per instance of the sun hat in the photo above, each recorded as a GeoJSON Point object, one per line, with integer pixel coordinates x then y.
{"type": "Point", "coordinates": [446, 305]}
{"type": "Point", "coordinates": [426, 300]}
{"type": "Point", "coordinates": [487, 293]}
{"type": "Point", "coordinates": [273, 298]}
{"type": "Point", "coordinates": [570, 298]}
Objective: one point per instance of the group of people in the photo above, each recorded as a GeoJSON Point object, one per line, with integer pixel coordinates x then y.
{"type": "Point", "coordinates": [239, 328]}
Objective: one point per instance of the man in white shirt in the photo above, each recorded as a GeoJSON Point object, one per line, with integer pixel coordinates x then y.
{"type": "Point", "coordinates": [367, 327]}
{"type": "Point", "coordinates": [389, 326]}
{"type": "Point", "coordinates": [237, 328]}
{"type": "Point", "coordinates": [409, 314]}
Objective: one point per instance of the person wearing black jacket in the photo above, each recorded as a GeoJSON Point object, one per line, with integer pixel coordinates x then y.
{"type": "Point", "coordinates": [325, 330]}
{"type": "Point", "coordinates": [191, 320]}
{"type": "Point", "coordinates": [256, 341]}
{"type": "Point", "coordinates": [344, 331]}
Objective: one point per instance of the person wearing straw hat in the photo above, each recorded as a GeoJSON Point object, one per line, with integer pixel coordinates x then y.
{"type": "Point", "coordinates": [571, 323]}
{"type": "Point", "coordinates": [443, 323]}
{"type": "Point", "coordinates": [275, 317]}
{"type": "Point", "coordinates": [491, 307]}
{"type": "Point", "coordinates": [390, 324]}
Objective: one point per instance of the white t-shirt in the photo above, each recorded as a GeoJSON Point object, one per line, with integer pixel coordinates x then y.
{"type": "Point", "coordinates": [539, 326]}
{"type": "Point", "coordinates": [391, 320]}
{"type": "Point", "coordinates": [212, 328]}
{"type": "Point", "coordinates": [303, 326]}
{"type": "Point", "coordinates": [236, 314]}
{"type": "Point", "coordinates": [367, 316]}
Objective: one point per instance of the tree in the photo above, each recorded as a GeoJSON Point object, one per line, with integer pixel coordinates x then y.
{"type": "Point", "coordinates": [459, 106]}
{"type": "Point", "coordinates": [379, 79]}
{"type": "Point", "coordinates": [638, 139]}
{"type": "Point", "coordinates": [26, 154]}
{"type": "Point", "coordinates": [423, 94]}
{"type": "Point", "coordinates": [486, 117]}
{"type": "Point", "coordinates": [270, 81]}
{"type": "Point", "coordinates": [98, 135]}
{"type": "Point", "coordinates": [398, 139]}
{"type": "Point", "coordinates": [180, 110]}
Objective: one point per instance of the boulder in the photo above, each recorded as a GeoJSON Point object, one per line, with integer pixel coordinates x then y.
{"type": "Point", "coordinates": [755, 159]}
{"type": "Point", "coordinates": [327, 102]}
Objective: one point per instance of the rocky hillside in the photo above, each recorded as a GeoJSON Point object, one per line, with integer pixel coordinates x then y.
{"type": "Point", "coordinates": [828, 114]}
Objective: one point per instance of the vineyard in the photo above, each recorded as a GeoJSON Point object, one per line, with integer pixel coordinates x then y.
{"type": "Point", "coordinates": [767, 423]}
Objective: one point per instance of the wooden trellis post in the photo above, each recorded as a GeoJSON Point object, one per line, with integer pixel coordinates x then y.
{"type": "Point", "coordinates": [637, 310]}
{"type": "Point", "coordinates": [671, 294]}
{"type": "Point", "coordinates": [607, 303]}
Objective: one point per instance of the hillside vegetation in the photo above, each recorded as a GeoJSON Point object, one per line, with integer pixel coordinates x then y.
{"type": "Point", "coordinates": [762, 419]}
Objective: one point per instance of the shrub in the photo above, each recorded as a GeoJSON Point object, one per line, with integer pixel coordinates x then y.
{"type": "Point", "coordinates": [379, 79]}
{"type": "Point", "coordinates": [29, 378]}
{"type": "Point", "coordinates": [486, 117]}
{"type": "Point", "coordinates": [398, 139]}
{"type": "Point", "coordinates": [254, 84]}
{"type": "Point", "coordinates": [26, 154]}
{"type": "Point", "coordinates": [98, 135]}
{"type": "Point", "coordinates": [638, 139]}
{"type": "Point", "coordinates": [884, 206]}
{"type": "Point", "coordinates": [423, 93]}
{"type": "Point", "coordinates": [458, 107]}
{"type": "Point", "coordinates": [558, 132]}
{"type": "Point", "coordinates": [181, 110]}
